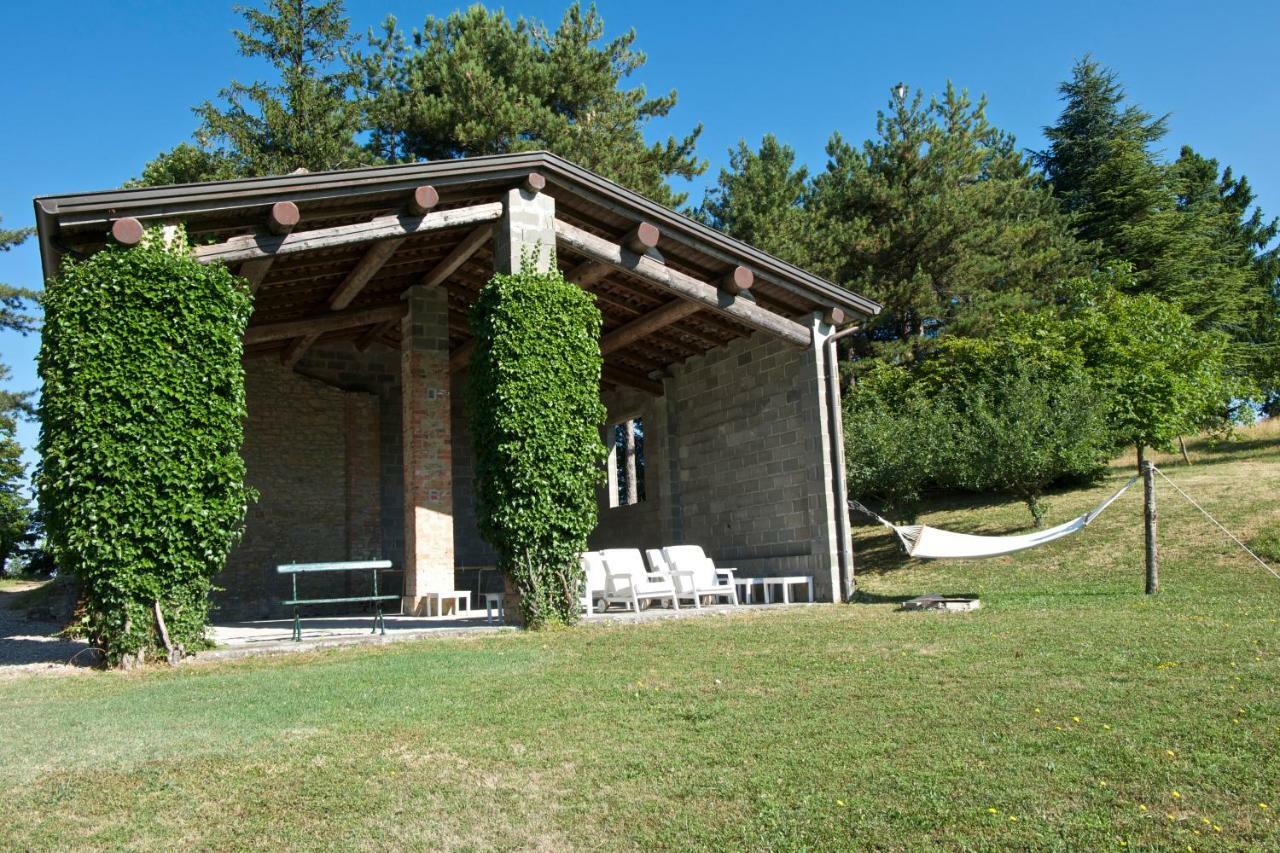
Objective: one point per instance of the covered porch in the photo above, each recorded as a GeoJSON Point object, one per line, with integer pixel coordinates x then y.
{"type": "Point", "coordinates": [716, 374]}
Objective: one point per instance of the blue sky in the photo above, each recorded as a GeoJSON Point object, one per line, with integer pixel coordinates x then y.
{"type": "Point", "coordinates": [95, 89]}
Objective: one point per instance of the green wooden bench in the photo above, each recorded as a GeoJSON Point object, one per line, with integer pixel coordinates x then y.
{"type": "Point", "coordinates": [374, 566]}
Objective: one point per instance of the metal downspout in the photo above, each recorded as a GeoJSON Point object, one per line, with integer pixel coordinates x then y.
{"type": "Point", "coordinates": [836, 420]}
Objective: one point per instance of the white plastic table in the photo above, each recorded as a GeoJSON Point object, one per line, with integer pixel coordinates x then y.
{"type": "Point", "coordinates": [461, 599]}
{"type": "Point", "coordinates": [745, 587]}
{"type": "Point", "coordinates": [786, 583]}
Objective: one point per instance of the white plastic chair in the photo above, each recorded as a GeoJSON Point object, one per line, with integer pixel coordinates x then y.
{"type": "Point", "coordinates": [596, 583]}
{"type": "Point", "coordinates": [695, 575]}
{"type": "Point", "coordinates": [628, 582]}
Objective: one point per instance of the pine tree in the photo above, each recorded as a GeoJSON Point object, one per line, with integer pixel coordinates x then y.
{"type": "Point", "coordinates": [476, 83]}
{"type": "Point", "coordinates": [15, 511]}
{"type": "Point", "coordinates": [14, 300]}
{"type": "Point", "coordinates": [760, 199]}
{"type": "Point", "coordinates": [304, 120]}
{"type": "Point", "coordinates": [1101, 164]}
{"type": "Point", "coordinates": [941, 218]}
{"type": "Point", "coordinates": [1190, 234]}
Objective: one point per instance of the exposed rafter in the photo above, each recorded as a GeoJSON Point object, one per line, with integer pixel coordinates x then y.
{"type": "Point", "coordinates": [459, 256]}
{"type": "Point", "coordinates": [336, 321]}
{"type": "Point", "coordinates": [379, 253]}
{"type": "Point", "coordinates": [588, 274]}
{"type": "Point", "coordinates": [298, 347]}
{"type": "Point", "coordinates": [374, 333]}
{"type": "Point", "coordinates": [682, 285]}
{"type": "Point", "coordinates": [647, 324]}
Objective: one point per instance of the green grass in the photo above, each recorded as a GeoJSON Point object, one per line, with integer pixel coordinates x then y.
{"type": "Point", "coordinates": [1063, 714]}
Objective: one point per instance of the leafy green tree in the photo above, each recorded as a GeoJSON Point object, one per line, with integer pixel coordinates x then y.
{"type": "Point", "coordinates": [188, 164]}
{"type": "Point", "coordinates": [1229, 281]}
{"type": "Point", "coordinates": [760, 199]}
{"type": "Point", "coordinates": [1022, 414]}
{"type": "Point", "coordinates": [940, 218]}
{"type": "Point", "coordinates": [476, 82]}
{"type": "Point", "coordinates": [1161, 376]}
{"type": "Point", "coordinates": [307, 119]}
{"type": "Point", "coordinates": [895, 437]}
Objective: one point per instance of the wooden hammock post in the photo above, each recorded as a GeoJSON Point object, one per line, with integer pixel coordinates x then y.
{"type": "Point", "coordinates": [1149, 525]}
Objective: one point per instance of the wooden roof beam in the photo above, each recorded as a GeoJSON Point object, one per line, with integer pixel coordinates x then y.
{"type": "Point", "coordinates": [630, 378]}
{"type": "Point", "coordinates": [338, 320]}
{"type": "Point", "coordinates": [250, 246]}
{"type": "Point", "coordinates": [460, 255]}
{"type": "Point", "coordinates": [421, 200]}
{"type": "Point", "coordinates": [642, 326]}
{"type": "Point", "coordinates": [363, 272]}
{"type": "Point", "coordinates": [588, 274]}
{"type": "Point", "coordinates": [679, 284]}
{"type": "Point", "coordinates": [374, 333]}
{"type": "Point", "coordinates": [297, 348]}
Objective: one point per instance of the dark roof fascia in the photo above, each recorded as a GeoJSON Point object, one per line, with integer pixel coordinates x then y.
{"type": "Point", "coordinates": [185, 199]}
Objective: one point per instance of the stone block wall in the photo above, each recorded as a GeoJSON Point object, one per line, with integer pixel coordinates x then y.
{"type": "Point", "coordinates": [734, 452]}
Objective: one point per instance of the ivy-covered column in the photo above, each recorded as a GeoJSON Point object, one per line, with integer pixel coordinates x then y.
{"type": "Point", "coordinates": [428, 446]}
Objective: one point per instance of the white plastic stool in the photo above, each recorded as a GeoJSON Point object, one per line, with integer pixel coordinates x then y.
{"type": "Point", "coordinates": [492, 601]}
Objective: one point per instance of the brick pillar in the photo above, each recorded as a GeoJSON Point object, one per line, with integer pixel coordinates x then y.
{"type": "Point", "coordinates": [527, 229]}
{"type": "Point", "coordinates": [428, 447]}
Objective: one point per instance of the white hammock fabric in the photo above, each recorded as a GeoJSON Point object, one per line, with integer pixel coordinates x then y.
{"type": "Point", "coordinates": [930, 543]}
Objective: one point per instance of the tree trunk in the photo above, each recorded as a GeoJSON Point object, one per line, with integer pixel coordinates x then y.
{"type": "Point", "coordinates": [1142, 457]}
{"type": "Point", "coordinates": [633, 488]}
{"type": "Point", "coordinates": [1149, 526]}
{"type": "Point", "coordinates": [1182, 445]}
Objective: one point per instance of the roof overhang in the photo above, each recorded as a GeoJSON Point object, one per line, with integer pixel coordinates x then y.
{"type": "Point", "coordinates": [299, 286]}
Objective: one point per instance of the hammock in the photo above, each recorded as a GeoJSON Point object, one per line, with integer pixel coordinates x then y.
{"type": "Point", "coordinates": [930, 543]}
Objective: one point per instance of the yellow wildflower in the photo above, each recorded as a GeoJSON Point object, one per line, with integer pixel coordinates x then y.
{"type": "Point", "coordinates": [839, 802]}
{"type": "Point", "coordinates": [1075, 719]}
{"type": "Point", "coordinates": [1176, 795]}
{"type": "Point", "coordinates": [1142, 808]}
{"type": "Point", "coordinates": [993, 810]}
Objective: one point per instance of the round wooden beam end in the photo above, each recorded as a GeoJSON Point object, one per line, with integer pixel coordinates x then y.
{"type": "Point", "coordinates": [833, 316]}
{"type": "Point", "coordinates": [646, 235]}
{"type": "Point", "coordinates": [127, 231]}
{"type": "Point", "coordinates": [284, 216]}
{"type": "Point", "coordinates": [424, 198]}
{"type": "Point", "coordinates": [534, 183]}
{"type": "Point", "coordinates": [739, 280]}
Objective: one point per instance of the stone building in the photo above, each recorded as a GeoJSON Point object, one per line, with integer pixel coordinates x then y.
{"type": "Point", "coordinates": [716, 375]}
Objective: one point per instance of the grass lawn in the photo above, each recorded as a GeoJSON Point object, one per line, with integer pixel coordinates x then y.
{"type": "Point", "coordinates": [1069, 712]}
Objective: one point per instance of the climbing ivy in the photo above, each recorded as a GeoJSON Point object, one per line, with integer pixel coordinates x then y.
{"type": "Point", "coordinates": [142, 416]}
{"type": "Point", "coordinates": [533, 397]}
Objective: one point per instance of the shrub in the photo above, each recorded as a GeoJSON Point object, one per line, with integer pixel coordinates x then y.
{"type": "Point", "coordinates": [142, 410]}
{"type": "Point", "coordinates": [533, 396]}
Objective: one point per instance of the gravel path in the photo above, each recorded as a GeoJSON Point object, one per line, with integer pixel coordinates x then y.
{"type": "Point", "coordinates": [34, 646]}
